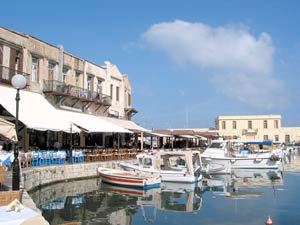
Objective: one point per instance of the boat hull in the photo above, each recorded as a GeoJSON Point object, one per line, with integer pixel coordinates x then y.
{"type": "Point", "coordinates": [166, 176]}
{"type": "Point", "coordinates": [244, 162]}
{"type": "Point", "coordinates": [131, 180]}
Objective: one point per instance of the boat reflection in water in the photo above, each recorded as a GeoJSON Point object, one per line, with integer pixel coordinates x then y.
{"type": "Point", "coordinates": [174, 197]}
{"type": "Point", "coordinates": [242, 182]}
{"type": "Point", "coordinates": [100, 203]}
{"type": "Point", "coordinates": [93, 202]}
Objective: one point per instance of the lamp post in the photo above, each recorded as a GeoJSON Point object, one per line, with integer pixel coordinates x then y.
{"type": "Point", "coordinates": [18, 81]}
{"type": "Point", "coordinates": [71, 142]}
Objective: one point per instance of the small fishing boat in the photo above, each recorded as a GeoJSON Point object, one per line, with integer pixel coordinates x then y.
{"type": "Point", "coordinates": [129, 179]}
{"type": "Point", "coordinates": [172, 166]}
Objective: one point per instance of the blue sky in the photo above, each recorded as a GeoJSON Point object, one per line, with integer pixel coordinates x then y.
{"type": "Point", "coordinates": [188, 61]}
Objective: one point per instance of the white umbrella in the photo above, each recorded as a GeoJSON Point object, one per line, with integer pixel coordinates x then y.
{"type": "Point", "coordinates": [8, 131]}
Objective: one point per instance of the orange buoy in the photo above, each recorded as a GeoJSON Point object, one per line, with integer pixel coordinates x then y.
{"type": "Point", "coordinates": [269, 221]}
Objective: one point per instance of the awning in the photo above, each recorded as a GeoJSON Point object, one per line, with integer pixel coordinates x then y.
{"type": "Point", "coordinates": [91, 123]}
{"type": "Point", "coordinates": [34, 111]}
{"type": "Point", "coordinates": [201, 137]}
{"type": "Point", "coordinates": [127, 124]}
{"type": "Point", "coordinates": [7, 130]}
{"type": "Point", "coordinates": [160, 135]}
{"type": "Point", "coordinates": [186, 136]}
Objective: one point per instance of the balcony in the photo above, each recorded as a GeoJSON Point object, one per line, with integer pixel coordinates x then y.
{"type": "Point", "coordinates": [7, 73]}
{"type": "Point", "coordinates": [58, 88]}
{"type": "Point", "coordinates": [250, 131]}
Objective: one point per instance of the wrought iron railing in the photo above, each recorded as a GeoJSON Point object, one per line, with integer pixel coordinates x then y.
{"type": "Point", "coordinates": [57, 87]}
{"type": "Point", "coordinates": [7, 73]}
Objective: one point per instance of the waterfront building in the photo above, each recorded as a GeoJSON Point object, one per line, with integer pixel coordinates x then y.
{"type": "Point", "coordinates": [244, 127]}
{"type": "Point", "coordinates": [68, 83]}
{"type": "Point", "coordinates": [256, 127]}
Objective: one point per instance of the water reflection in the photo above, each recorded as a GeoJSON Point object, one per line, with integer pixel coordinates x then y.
{"type": "Point", "coordinates": [262, 192]}
{"type": "Point", "coordinates": [243, 183]}
{"type": "Point", "coordinates": [91, 202]}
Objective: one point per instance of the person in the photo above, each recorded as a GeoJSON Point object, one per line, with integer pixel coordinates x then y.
{"type": "Point", "coordinates": [57, 145]}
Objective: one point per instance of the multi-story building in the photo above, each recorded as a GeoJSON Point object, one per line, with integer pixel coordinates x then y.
{"type": "Point", "coordinates": [68, 82]}
{"type": "Point", "coordinates": [256, 127]}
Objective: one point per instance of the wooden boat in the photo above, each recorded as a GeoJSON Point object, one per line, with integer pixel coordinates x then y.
{"type": "Point", "coordinates": [129, 179]}
{"type": "Point", "coordinates": [172, 166]}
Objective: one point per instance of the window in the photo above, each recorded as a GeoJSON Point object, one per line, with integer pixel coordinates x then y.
{"type": "Point", "coordinates": [129, 99]}
{"type": "Point", "coordinates": [117, 93]}
{"type": "Point", "coordinates": [111, 91]}
{"type": "Point", "coordinates": [276, 124]}
{"type": "Point", "coordinates": [266, 137]}
{"type": "Point", "coordinates": [223, 125]}
{"type": "Point", "coordinates": [90, 83]}
{"type": "Point", "coordinates": [99, 86]}
{"type": "Point", "coordinates": [1, 54]}
{"type": "Point", "coordinates": [233, 124]}
{"type": "Point", "coordinates": [34, 68]}
{"type": "Point", "coordinates": [249, 124]}
{"type": "Point", "coordinates": [77, 78]}
{"type": "Point", "coordinates": [287, 138]}
{"type": "Point", "coordinates": [276, 137]}
{"type": "Point", "coordinates": [51, 70]}
{"type": "Point", "coordinates": [18, 61]}
{"type": "Point", "coordinates": [65, 73]}
{"type": "Point", "coordinates": [265, 124]}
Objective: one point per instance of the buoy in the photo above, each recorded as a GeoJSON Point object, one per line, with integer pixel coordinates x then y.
{"type": "Point", "coordinates": [228, 194]}
{"type": "Point", "coordinates": [269, 221]}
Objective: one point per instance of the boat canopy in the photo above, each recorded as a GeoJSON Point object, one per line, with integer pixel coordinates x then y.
{"type": "Point", "coordinates": [267, 143]}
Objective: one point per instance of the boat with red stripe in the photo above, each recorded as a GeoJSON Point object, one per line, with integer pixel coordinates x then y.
{"type": "Point", "coordinates": [129, 179]}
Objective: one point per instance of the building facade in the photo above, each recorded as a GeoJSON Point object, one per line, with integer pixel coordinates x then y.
{"type": "Point", "coordinates": [67, 81]}
{"type": "Point", "coordinates": [256, 127]}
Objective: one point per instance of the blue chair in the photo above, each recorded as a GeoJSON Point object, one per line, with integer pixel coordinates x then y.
{"type": "Point", "coordinates": [35, 160]}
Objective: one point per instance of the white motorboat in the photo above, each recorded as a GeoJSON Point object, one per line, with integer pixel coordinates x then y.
{"type": "Point", "coordinates": [218, 153]}
{"type": "Point", "coordinates": [172, 166]}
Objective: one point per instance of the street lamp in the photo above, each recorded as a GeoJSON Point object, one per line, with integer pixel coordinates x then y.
{"type": "Point", "coordinates": [18, 81]}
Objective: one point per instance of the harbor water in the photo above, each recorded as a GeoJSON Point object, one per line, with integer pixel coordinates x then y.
{"type": "Point", "coordinates": [245, 197]}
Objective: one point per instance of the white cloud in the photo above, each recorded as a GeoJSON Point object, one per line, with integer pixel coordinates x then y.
{"type": "Point", "coordinates": [239, 58]}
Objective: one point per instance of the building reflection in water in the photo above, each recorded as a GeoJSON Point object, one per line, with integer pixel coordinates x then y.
{"type": "Point", "coordinates": [87, 202]}
{"type": "Point", "coordinates": [91, 202]}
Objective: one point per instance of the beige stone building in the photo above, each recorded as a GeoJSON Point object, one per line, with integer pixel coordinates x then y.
{"type": "Point", "coordinates": [49, 67]}
{"type": "Point", "coordinates": [256, 127]}
{"type": "Point", "coordinates": [66, 81]}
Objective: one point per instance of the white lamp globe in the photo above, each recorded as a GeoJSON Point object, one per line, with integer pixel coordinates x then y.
{"type": "Point", "coordinates": [18, 81]}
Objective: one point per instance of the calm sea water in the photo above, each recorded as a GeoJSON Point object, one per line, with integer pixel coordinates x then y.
{"type": "Point", "coordinates": [245, 197]}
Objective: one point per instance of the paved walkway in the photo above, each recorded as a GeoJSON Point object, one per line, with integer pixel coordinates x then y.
{"type": "Point", "coordinates": [35, 217]}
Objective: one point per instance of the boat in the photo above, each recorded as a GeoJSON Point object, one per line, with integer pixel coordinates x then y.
{"type": "Point", "coordinates": [133, 192]}
{"type": "Point", "coordinates": [129, 179]}
{"type": "Point", "coordinates": [172, 166]}
{"type": "Point", "coordinates": [222, 152]}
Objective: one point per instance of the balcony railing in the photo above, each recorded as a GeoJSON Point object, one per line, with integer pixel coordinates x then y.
{"type": "Point", "coordinates": [250, 131]}
{"type": "Point", "coordinates": [60, 88]}
{"type": "Point", "coordinates": [7, 73]}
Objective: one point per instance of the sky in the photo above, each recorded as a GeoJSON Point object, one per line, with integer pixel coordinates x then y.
{"type": "Point", "coordinates": [188, 61]}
